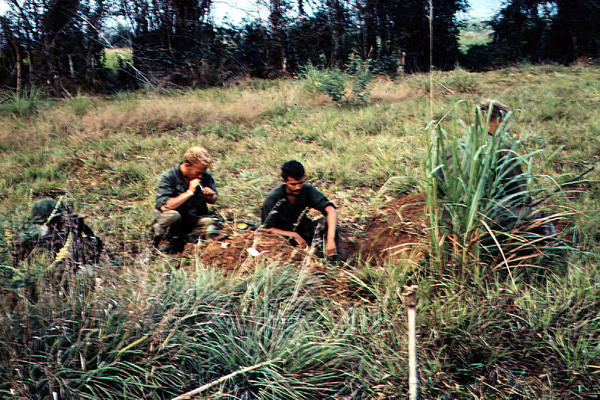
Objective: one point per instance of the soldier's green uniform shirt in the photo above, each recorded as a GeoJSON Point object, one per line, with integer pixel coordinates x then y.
{"type": "Point", "coordinates": [172, 184]}
{"type": "Point", "coordinates": [288, 213]}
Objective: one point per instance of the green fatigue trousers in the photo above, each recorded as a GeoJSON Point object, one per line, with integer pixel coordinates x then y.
{"type": "Point", "coordinates": [170, 225]}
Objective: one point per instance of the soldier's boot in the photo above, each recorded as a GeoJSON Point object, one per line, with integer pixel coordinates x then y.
{"type": "Point", "coordinates": [206, 228]}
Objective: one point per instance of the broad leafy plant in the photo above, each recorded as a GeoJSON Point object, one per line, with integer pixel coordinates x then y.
{"type": "Point", "coordinates": [348, 87]}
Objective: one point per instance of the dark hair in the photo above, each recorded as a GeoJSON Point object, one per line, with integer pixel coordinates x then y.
{"type": "Point", "coordinates": [292, 169]}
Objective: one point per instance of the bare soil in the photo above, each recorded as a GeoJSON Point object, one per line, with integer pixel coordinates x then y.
{"type": "Point", "coordinates": [396, 232]}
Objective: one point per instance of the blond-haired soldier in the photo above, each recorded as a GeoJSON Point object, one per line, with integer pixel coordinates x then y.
{"type": "Point", "coordinates": [182, 195]}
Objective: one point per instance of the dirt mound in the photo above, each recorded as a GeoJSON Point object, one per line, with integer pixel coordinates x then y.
{"type": "Point", "coordinates": [241, 251]}
{"type": "Point", "coordinates": [395, 231]}
{"type": "Point", "coordinates": [398, 231]}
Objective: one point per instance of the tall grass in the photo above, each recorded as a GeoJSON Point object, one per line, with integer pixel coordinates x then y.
{"type": "Point", "coordinates": [479, 192]}
{"type": "Point", "coordinates": [23, 105]}
{"type": "Point", "coordinates": [161, 337]}
{"type": "Point", "coordinates": [80, 104]}
{"type": "Point", "coordinates": [147, 326]}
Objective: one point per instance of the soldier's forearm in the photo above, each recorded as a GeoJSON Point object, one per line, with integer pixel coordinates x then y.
{"type": "Point", "coordinates": [331, 222]}
{"type": "Point", "coordinates": [174, 202]}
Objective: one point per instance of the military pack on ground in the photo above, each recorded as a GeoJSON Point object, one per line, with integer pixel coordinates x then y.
{"type": "Point", "coordinates": [55, 229]}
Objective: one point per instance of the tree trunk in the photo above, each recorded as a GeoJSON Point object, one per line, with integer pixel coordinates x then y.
{"type": "Point", "coordinates": [19, 68]}
{"type": "Point", "coordinates": [276, 19]}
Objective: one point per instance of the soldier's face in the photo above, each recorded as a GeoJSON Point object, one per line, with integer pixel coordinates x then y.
{"type": "Point", "coordinates": [193, 171]}
{"type": "Point", "coordinates": [293, 186]}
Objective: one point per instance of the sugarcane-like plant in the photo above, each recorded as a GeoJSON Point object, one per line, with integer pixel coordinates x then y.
{"type": "Point", "coordinates": [478, 197]}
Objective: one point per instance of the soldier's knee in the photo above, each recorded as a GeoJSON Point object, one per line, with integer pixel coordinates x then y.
{"type": "Point", "coordinates": [166, 221]}
{"type": "Point", "coordinates": [169, 217]}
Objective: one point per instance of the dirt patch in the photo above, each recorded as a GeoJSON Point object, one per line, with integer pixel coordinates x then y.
{"type": "Point", "coordinates": [384, 94]}
{"type": "Point", "coordinates": [398, 231]}
{"type": "Point", "coordinates": [242, 251]}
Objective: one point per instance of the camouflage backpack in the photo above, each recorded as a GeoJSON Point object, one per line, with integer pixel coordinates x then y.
{"type": "Point", "coordinates": [52, 227]}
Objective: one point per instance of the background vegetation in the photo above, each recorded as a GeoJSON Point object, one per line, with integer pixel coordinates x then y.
{"type": "Point", "coordinates": [475, 32]}
{"type": "Point", "coordinates": [64, 45]}
{"type": "Point", "coordinates": [148, 326]}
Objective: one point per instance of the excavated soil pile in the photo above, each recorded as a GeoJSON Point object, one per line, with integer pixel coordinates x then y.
{"type": "Point", "coordinates": [241, 251]}
{"type": "Point", "coordinates": [397, 231]}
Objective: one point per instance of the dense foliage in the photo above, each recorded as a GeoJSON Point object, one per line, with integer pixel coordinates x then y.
{"type": "Point", "coordinates": [62, 45]}
{"type": "Point", "coordinates": [540, 31]}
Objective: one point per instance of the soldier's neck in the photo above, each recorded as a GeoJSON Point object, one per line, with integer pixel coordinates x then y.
{"type": "Point", "coordinates": [291, 199]}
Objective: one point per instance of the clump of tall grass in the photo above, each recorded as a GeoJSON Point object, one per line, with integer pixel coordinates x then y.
{"type": "Point", "coordinates": [23, 105]}
{"type": "Point", "coordinates": [479, 199]}
{"type": "Point", "coordinates": [459, 81]}
{"type": "Point", "coordinates": [80, 104]}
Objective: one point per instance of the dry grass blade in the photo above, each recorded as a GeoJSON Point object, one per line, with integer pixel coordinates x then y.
{"type": "Point", "coordinates": [216, 382]}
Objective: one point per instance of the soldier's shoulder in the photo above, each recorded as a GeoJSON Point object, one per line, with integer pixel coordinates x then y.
{"type": "Point", "coordinates": [275, 194]}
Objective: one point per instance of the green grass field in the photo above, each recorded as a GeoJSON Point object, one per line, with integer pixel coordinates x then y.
{"type": "Point", "coordinates": [112, 57]}
{"type": "Point", "coordinates": [475, 32]}
{"type": "Point", "coordinates": [148, 326]}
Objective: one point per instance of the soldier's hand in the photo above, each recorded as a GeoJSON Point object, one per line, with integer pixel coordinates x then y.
{"type": "Point", "coordinates": [301, 242]}
{"type": "Point", "coordinates": [194, 183]}
{"type": "Point", "coordinates": [208, 191]}
{"type": "Point", "coordinates": [330, 247]}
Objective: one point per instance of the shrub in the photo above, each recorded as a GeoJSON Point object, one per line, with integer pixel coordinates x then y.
{"type": "Point", "coordinates": [334, 82]}
{"type": "Point", "coordinates": [24, 105]}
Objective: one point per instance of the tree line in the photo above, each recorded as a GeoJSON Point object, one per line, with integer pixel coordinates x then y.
{"type": "Point", "coordinates": [59, 45]}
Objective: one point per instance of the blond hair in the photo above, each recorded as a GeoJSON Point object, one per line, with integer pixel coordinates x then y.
{"type": "Point", "coordinates": [197, 154]}
{"type": "Point", "coordinates": [497, 109]}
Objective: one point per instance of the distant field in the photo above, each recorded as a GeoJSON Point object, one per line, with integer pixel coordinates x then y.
{"type": "Point", "coordinates": [475, 32]}
{"type": "Point", "coordinates": [114, 55]}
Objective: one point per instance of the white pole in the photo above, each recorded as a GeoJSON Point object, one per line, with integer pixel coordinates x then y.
{"type": "Point", "coordinates": [410, 301]}
{"type": "Point", "coordinates": [430, 60]}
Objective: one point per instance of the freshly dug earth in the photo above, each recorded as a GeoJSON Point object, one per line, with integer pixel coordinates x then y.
{"type": "Point", "coordinates": [232, 254]}
{"type": "Point", "coordinates": [396, 232]}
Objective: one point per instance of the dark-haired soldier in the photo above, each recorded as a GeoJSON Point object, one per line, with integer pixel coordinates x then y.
{"type": "Point", "coordinates": [284, 211]}
{"type": "Point", "coordinates": [514, 181]}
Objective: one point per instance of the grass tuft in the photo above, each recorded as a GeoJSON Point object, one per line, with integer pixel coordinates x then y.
{"type": "Point", "coordinates": [23, 105]}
